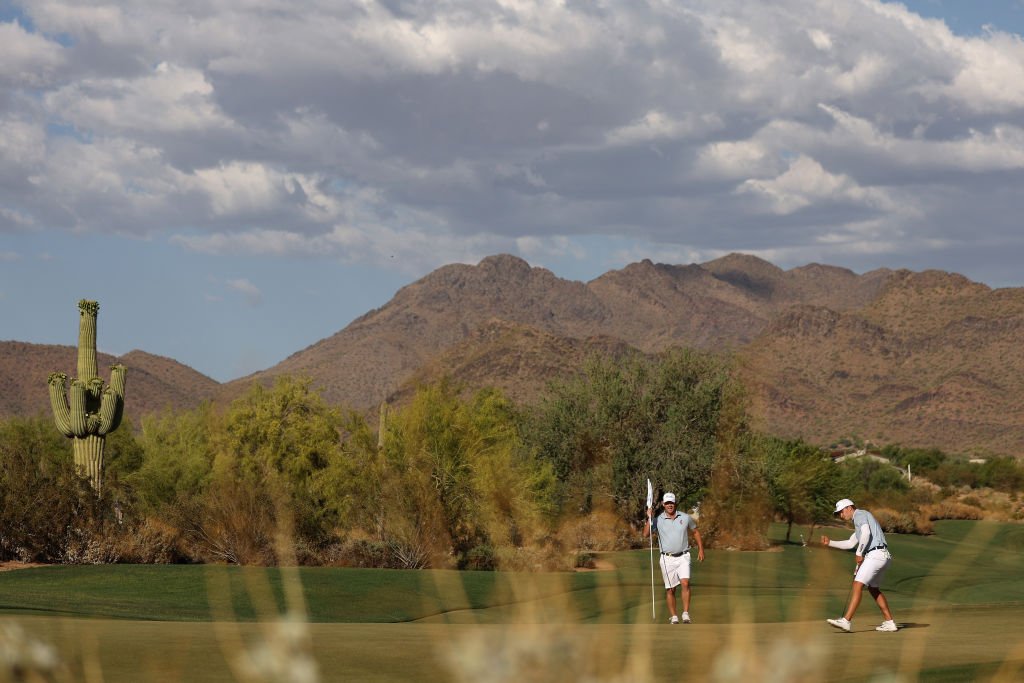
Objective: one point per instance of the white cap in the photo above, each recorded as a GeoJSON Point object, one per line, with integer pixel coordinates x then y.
{"type": "Point", "coordinates": [842, 504]}
{"type": "Point", "coordinates": [669, 498]}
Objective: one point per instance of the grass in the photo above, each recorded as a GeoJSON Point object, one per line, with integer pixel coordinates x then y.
{"type": "Point", "coordinates": [959, 595]}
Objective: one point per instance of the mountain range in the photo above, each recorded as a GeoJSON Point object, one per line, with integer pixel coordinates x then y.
{"type": "Point", "coordinates": [925, 359]}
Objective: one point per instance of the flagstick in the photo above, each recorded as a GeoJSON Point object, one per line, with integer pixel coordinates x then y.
{"type": "Point", "coordinates": [650, 526]}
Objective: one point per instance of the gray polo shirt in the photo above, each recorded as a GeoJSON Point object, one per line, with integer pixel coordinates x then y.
{"type": "Point", "coordinates": [672, 533]}
{"type": "Point", "coordinates": [875, 535]}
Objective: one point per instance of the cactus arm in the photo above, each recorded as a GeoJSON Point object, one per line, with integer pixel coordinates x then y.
{"type": "Point", "coordinates": [59, 403]}
{"type": "Point", "coordinates": [79, 422]}
{"type": "Point", "coordinates": [110, 412]}
{"type": "Point", "coordinates": [95, 387]}
{"type": "Point", "coordinates": [117, 377]}
{"type": "Point", "coordinates": [88, 310]}
{"type": "Point", "coordinates": [112, 403]}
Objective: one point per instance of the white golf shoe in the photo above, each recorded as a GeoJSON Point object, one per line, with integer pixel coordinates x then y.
{"type": "Point", "coordinates": [686, 617]}
{"type": "Point", "coordinates": [674, 620]}
{"type": "Point", "coordinates": [842, 623]}
{"type": "Point", "coordinates": [887, 626]}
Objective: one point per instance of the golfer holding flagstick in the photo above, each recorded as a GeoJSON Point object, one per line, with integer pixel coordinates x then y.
{"type": "Point", "coordinates": [873, 558]}
{"type": "Point", "coordinates": [673, 530]}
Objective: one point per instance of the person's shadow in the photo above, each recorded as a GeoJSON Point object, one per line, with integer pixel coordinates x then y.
{"type": "Point", "coordinates": [911, 624]}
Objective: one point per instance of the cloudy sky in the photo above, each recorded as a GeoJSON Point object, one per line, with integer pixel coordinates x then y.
{"type": "Point", "coordinates": [235, 180]}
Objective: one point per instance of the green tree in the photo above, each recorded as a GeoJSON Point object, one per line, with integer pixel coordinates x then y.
{"type": "Point", "coordinates": [459, 469]}
{"type": "Point", "coordinates": [738, 507]}
{"type": "Point", "coordinates": [1002, 474]}
{"type": "Point", "coordinates": [802, 481]}
{"type": "Point", "coordinates": [623, 420]}
{"type": "Point", "coordinates": [273, 445]}
{"type": "Point", "coordinates": [921, 460]}
{"type": "Point", "coordinates": [868, 475]}
{"type": "Point", "coordinates": [177, 457]}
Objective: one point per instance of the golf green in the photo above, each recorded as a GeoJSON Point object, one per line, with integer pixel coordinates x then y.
{"type": "Point", "coordinates": [958, 596]}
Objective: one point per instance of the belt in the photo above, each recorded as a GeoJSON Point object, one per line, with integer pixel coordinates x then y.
{"type": "Point", "coordinates": [877, 547]}
{"type": "Point", "coordinates": [676, 554]}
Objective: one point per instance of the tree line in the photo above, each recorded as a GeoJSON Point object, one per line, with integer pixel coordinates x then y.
{"type": "Point", "coordinates": [452, 479]}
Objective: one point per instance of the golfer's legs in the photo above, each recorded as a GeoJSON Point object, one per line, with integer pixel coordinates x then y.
{"type": "Point", "coordinates": [686, 594]}
{"type": "Point", "coordinates": [670, 597]}
{"type": "Point", "coordinates": [855, 596]}
{"type": "Point", "coordinates": [883, 604]}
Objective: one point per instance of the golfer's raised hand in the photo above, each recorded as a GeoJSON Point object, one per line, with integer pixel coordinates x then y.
{"type": "Point", "coordinates": [824, 540]}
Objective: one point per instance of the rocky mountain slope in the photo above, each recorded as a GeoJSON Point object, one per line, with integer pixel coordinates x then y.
{"type": "Point", "coordinates": [925, 358]}
{"type": "Point", "coordinates": [153, 382]}
{"type": "Point", "coordinates": [934, 359]}
{"type": "Point", "coordinates": [723, 304]}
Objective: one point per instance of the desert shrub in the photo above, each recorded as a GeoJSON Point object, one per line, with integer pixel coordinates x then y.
{"type": "Point", "coordinates": [479, 558]}
{"type": "Point", "coordinates": [956, 474]}
{"type": "Point", "coordinates": [971, 500]}
{"type": "Point", "coordinates": [48, 513]}
{"type": "Point", "coordinates": [1002, 474]}
{"type": "Point", "coordinates": [585, 561]}
{"type": "Point", "coordinates": [893, 521]}
{"type": "Point", "coordinates": [367, 553]}
{"type": "Point", "coordinates": [153, 542]}
{"type": "Point", "coordinates": [601, 531]}
{"type": "Point", "coordinates": [542, 557]}
{"type": "Point", "coordinates": [887, 498]}
{"type": "Point", "coordinates": [920, 495]}
{"type": "Point", "coordinates": [947, 509]}
{"type": "Point", "coordinates": [235, 524]}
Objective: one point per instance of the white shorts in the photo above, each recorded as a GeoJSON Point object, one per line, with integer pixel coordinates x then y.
{"type": "Point", "coordinates": [675, 569]}
{"type": "Point", "coordinates": [872, 569]}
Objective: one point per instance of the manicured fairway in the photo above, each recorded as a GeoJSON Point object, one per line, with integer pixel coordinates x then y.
{"type": "Point", "coordinates": [958, 594]}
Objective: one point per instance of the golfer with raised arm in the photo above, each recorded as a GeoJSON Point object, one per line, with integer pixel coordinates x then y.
{"type": "Point", "coordinates": [873, 558]}
{"type": "Point", "coordinates": [673, 530]}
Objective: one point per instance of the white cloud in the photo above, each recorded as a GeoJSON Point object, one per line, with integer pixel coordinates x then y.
{"type": "Point", "coordinates": [806, 183]}
{"type": "Point", "coordinates": [736, 160]}
{"type": "Point", "coordinates": [240, 187]}
{"type": "Point", "coordinates": [656, 125]}
{"type": "Point", "coordinates": [992, 75]}
{"type": "Point", "coordinates": [250, 291]}
{"type": "Point", "coordinates": [821, 39]}
{"type": "Point", "coordinates": [665, 253]}
{"type": "Point", "coordinates": [413, 134]}
{"type": "Point", "coordinates": [9, 256]}
{"type": "Point", "coordinates": [411, 250]}
{"type": "Point", "coordinates": [539, 249]}
{"type": "Point", "coordinates": [29, 60]}
{"type": "Point", "coordinates": [167, 99]}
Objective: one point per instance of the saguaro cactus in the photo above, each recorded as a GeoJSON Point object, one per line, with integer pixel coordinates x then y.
{"type": "Point", "coordinates": [93, 412]}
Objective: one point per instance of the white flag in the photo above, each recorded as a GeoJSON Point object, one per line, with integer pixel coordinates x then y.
{"type": "Point", "coordinates": [650, 495]}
